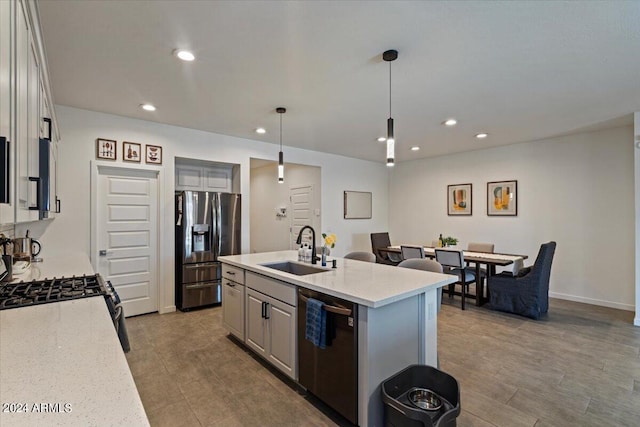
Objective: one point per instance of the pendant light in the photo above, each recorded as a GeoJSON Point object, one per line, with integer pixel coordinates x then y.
{"type": "Point", "coordinates": [390, 56]}
{"type": "Point", "coordinates": [281, 111]}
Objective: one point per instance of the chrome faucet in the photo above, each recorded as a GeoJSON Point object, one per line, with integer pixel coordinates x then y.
{"type": "Point", "coordinates": [313, 241]}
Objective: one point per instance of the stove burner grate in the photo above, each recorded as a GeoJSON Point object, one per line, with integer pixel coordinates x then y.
{"type": "Point", "coordinates": [13, 295]}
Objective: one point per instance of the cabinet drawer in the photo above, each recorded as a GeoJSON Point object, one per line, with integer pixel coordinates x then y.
{"type": "Point", "coordinates": [233, 273]}
{"type": "Point", "coordinates": [272, 287]}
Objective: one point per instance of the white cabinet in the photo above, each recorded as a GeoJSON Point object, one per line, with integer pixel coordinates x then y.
{"type": "Point", "coordinates": [27, 84]}
{"type": "Point", "coordinates": [271, 323]}
{"type": "Point", "coordinates": [23, 104]}
{"type": "Point", "coordinates": [7, 134]}
{"type": "Point", "coordinates": [233, 300]}
{"type": "Point", "coordinates": [47, 131]}
{"type": "Point", "coordinates": [202, 178]}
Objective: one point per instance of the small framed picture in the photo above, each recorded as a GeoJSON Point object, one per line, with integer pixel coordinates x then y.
{"type": "Point", "coordinates": [154, 154]}
{"type": "Point", "coordinates": [502, 198]}
{"type": "Point", "coordinates": [131, 152]}
{"type": "Point", "coordinates": [459, 201]}
{"type": "Point", "coordinates": [106, 149]}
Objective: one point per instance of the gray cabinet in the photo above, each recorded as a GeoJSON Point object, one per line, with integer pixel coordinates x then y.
{"type": "Point", "coordinates": [233, 300]}
{"type": "Point", "coordinates": [271, 322]}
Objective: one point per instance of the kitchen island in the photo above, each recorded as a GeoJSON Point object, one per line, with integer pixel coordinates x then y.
{"type": "Point", "coordinates": [396, 324]}
{"type": "Point", "coordinates": [61, 363]}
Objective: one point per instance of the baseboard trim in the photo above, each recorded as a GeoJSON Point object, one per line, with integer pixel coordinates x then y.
{"type": "Point", "coordinates": [169, 309]}
{"type": "Point", "coordinates": [592, 301]}
{"type": "Point", "coordinates": [636, 321]}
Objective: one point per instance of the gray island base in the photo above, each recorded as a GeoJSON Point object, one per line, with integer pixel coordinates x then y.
{"type": "Point", "coordinates": [397, 308]}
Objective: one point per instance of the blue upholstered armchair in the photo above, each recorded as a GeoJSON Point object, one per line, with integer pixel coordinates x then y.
{"type": "Point", "coordinates": [526, 293]}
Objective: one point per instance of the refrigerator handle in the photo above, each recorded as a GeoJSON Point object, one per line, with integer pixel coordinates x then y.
{"type": "Point", "coordinates": [218, 224]}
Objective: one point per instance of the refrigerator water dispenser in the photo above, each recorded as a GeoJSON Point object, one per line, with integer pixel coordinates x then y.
{"type": "Point", "coordinates": [201, 237]}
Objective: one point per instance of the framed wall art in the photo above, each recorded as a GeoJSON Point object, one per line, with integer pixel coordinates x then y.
{"type": "Point", "coordinates": [153, 154]}
{"type": "Point", "coordinates": [459, 201]}
{"type": "Point", "coordinates": [357, 205]}
{"type": "Point", "coordinates": [502, 198]}
{"type": "Point", "coordinates": [106, 149]}
{"type": "Point", "coordinates": [131, 152]}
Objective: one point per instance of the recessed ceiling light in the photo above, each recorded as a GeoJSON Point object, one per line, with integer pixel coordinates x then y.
{"type": "Point", "coordinates": [382, 139]}
{"type": "Point", "coordinates": [185, 55]}
{"type": "Point", "coordinates": [261, 130]}
{"type": "Point", "coordinates": [415, 148]}
{"type": "Point", "coordinates": [450, 122]}
{"type": "Point", "coordinates": [482, 135]}
{"type": "Point", "coordinates": [148, 107]}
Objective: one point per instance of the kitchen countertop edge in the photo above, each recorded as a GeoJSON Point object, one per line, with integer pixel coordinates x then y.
{"type": "Point", "coordinates": [378, 275]}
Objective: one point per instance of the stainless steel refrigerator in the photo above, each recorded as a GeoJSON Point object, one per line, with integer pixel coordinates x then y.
{"type": "Point", "coordinates": [207, 226]}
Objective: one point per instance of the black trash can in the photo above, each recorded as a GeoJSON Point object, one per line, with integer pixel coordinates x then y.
{"type": "Point", "coordinates": [407, 404]}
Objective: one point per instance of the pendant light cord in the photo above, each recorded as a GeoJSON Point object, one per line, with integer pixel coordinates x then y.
{"type": "Point", "coordinates": [280, 131]}
{"type": "Point", "coordinates": [389, 88]}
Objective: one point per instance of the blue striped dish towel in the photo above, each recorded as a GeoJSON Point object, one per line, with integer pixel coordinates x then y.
{"type": "Point", "coordinates": [316, 330]}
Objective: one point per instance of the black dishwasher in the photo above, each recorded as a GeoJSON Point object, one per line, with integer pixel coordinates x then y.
{"type": "Point", "coordinates": [331, 374]}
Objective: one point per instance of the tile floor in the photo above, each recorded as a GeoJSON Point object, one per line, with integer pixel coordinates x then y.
{"type": "Point", "coordinates": [578, 367]}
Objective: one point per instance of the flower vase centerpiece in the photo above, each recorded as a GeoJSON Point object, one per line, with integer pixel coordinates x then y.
{"type": "Point", "coordinates": [329, 241]}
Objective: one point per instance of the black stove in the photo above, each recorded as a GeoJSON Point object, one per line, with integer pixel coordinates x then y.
{"type": "Point", "coordinates": [24, 294]}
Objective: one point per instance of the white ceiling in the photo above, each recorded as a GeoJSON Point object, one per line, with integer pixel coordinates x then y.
{"type": "Point", "coordinates": [520, 71]}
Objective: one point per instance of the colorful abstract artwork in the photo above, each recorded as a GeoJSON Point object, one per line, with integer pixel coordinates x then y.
{"type": "Point", "coordinates": [502, 198]}
{"type": "Point", "coordinates": [459, 201]}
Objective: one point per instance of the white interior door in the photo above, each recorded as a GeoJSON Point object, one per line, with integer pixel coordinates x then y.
{"type": "Point", "coordinates": [302, 213]}
{"type": "Point", "coordinates": [127, 235]}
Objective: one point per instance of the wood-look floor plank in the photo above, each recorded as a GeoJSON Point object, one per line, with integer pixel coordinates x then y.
{"type": "Point", "coordinates": [578, 366]}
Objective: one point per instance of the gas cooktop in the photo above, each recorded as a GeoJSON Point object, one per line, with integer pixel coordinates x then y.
{"type": "Point", "coordinates": [23, 294]}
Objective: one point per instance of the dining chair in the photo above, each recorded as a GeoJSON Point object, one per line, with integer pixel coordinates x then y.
{"type": "Point", "coordinates": [409, 252]}
{"type": "Point", "coordinates": [453, 263]}
{"type": "Point", "coordinates": [381, 241]}
{"type": "Point", "coordinates": [526, 293]}
{"type": "Point", "coordinates": [426, 265]}
{"type": "Point", "coordinates": [480, 247]}
{"type": "Point", "coordinates": [361, 256]}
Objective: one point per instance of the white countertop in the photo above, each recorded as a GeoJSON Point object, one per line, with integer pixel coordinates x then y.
{"type": "Point", "coordinates": [66, 353]}
{"type": "Point", "coordinates": [369, 284]}
{"type": "Point", "coordinates": [65, 357]}
{"type": "Point", "coordinates": [67, 265]}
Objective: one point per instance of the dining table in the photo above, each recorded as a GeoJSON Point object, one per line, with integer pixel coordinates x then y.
{"type": "Point", "coordinates": [489, 259]}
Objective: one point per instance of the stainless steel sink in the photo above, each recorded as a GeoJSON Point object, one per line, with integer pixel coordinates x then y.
{"type": "Point", "coordinates": [298, 269]}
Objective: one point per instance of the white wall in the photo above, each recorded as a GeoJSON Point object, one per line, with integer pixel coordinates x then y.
{"type": "Point", "coordinates": [576, 190]}
{"type": "Point", "coordinates": [636, 321]}
{"type": "Point", "coordinates": [80, 128]}
{"type": "Point", "coordinates": [267, 195]}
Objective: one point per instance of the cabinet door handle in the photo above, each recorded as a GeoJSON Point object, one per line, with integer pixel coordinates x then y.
{"type": "Point", "coordinates": [266, 310]}
{"type": "Point", "coordinates": [48, 122]}
{"type": "Point", "coordinates": [6, 156]}
{"type": "Point", "coordinates": [263, 310]}
{"type": "Point", "coordinates": [232, 273]}
{"type": "Point", "coordinates": [37, 181]}
{"type": "Point", "coordinates": [58, 205]}
{"type": "Point", "coordinates": [233, 285]}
